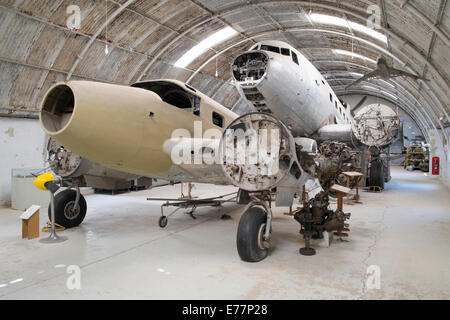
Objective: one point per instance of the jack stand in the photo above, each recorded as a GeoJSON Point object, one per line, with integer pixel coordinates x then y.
{"type": "Point", "coordinates": [53, 238]}
{"type": "Point", "coordinates": [307, 234]}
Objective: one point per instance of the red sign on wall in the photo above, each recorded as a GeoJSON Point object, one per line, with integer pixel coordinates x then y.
{"type": "Point", "coordinates": [435, 166]}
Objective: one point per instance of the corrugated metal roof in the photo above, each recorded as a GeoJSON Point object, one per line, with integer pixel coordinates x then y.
{"type": "Point", "coordinates": [37, 49]}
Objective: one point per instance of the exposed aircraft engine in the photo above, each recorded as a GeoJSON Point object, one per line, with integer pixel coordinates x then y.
{"type": "Point", "coordinates": [258, 153]}
{"type": "Point", "coordinates": [67, 164]}
{"type": "Point", "coordinates": [315, 218]}
{"type": "Point", "coordinates": [333, 159]}
{"type": "Point", "coordinates": [376, 125]}
{"type": "Point", "coordinates": [62, 161]}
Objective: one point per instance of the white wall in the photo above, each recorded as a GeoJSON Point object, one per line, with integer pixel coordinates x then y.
{"type": "Point", "coordinates": [441, 150]}
{"type": "Point", "coordinates": [21, 146]}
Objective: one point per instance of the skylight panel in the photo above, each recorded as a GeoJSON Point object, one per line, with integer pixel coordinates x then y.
{"type": "Point", "coordinates": [214, 39]}
{"type": "Point", "coordinates": [353, 55]}
{"type": "Point", "coordinates": [336, 21]}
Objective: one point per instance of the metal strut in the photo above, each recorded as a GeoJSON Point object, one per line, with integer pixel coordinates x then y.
{"type": "Point", "coordinates": [266, 205]}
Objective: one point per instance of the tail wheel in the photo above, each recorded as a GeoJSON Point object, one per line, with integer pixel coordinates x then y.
{"type": "Point", "coordinates": [66, 213]}
{"type": "Point", "coordinates": [250, 235]}
{"type": "Point", "coordinates": [376, 174]}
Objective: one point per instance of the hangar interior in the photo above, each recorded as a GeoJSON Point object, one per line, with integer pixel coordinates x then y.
{"type": "Point", "coordinates": [122, 253]}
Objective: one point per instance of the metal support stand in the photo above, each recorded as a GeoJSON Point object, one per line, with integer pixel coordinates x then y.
{"type": "Point", "coordinates": [307, 233]}
{"type": "Point", "coordinates": [53, 238]}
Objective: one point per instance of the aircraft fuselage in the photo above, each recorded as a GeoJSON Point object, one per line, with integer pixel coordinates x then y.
{"type": "Point", "coordinates": [279, 80]}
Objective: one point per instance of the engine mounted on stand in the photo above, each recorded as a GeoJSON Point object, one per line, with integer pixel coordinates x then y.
{"type": "Point", "coordinates": [315, 217]}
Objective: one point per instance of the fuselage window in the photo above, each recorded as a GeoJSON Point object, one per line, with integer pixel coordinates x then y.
{"type": "Point", "coordinates": [217, 119]}
{"type": "Point", "coordinates": [335, 104]}
{"type": "Point", "coordinates": [317, 83]}
{"type": "Point", "coordinates": [294, 57]}
{"type": "Point", "coordinates": [323, 82]}
{"type": "Point", "coordinates": [331, 97]}
{"type": "Point", "coordinates": [285, 52]}
{"type": "Point", "coordinates": [196, 104]}
{"type": "Point", "coordinates": [270, 48]}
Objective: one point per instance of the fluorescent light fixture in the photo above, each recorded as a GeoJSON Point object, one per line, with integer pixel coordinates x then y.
{"type": "Point", "coordinates": [336, 21]}
{"type": "Point", "coordinates": [353, 55]}
{"type": "Point", "coordinates": [204, 45]}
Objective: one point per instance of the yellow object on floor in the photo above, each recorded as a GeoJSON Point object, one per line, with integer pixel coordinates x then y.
{"type": "Point", "coordinates": [48, 227]}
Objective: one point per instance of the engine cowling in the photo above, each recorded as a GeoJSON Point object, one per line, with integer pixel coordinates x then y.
{"type": "Point", "coordinates": [110, 125]}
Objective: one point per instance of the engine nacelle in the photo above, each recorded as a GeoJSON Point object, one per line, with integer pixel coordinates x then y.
{"type": "Point", "coordinates": [108, 124]}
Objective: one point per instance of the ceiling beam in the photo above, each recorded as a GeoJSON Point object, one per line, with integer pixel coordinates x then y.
{"type": "Point", "coordinates": [441, 34]}
{"type": "Point", "coordinates": [11, 112]}
{"type": "Point", "coordinates": [29, 65]}
{"type": "Point", "coordinates": [96, 34]}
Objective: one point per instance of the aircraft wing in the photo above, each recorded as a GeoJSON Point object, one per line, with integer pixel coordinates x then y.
{"type": "Point", "coordinates": [367, 76]}
{"type": "Point", "coordinates": [399, 73]}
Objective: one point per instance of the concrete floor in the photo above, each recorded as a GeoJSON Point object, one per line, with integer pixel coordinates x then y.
{"type": "Point", "coordinates": [122, 252]}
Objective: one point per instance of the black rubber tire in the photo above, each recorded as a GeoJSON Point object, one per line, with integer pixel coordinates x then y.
{"type": "Point", "coordinates": [162, 222]}
{"type": "Point", "coordinates": [63, 199]}
{"type": "Point", "coordinates": [376, 173]}
{"type": "Point", "coordinates": [247, 235]}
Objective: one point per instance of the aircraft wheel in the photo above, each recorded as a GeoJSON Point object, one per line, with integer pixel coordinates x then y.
{"type": "Point", "coordinates": [162, 222]}
{"type": "Point", "coordinates": [65, 212]}
{"type": "Point", "coordinates": [250, 242]}
{"type": "Point", "coordinates": [376, 174]}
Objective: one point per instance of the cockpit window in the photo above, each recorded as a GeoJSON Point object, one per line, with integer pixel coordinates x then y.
{"type": "Point", "coordinates": [172, 94]}
{"type": "Point", "coordinates": [285, 52]}
{"type": "Point", "coordinates": [270, 48]}
{"type": "Point", "coordinates": [294, 57]}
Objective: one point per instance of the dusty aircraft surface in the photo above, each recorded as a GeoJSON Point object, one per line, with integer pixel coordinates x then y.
{"type": "Point", "coordinates": [167, 129]}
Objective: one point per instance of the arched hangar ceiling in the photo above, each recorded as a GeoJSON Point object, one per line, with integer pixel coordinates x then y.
{"type": "Point", "coordinates": [146, 37]}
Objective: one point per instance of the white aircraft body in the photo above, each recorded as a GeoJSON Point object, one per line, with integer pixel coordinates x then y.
{"type": "Point", "coordinates": [279, 80]}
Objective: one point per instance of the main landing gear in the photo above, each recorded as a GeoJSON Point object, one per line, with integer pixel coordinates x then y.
{"type": "Point", "coordinates": [254, 231]}
{"type": "Point", "coordinates": [376, 174]}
